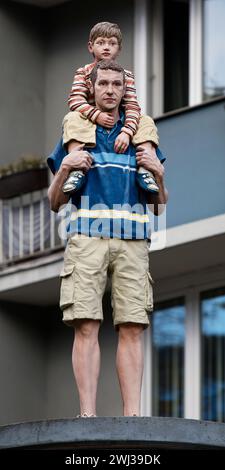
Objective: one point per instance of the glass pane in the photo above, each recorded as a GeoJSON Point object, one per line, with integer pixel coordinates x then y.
{"type": "Point", "coordinates": [176, 24]}
{"type": "Point", "coordinates": [214, 63]}
{"type": "Point", "coordinates": [213, 355]}
{"type": "Point", "coordinates": [168, 359]}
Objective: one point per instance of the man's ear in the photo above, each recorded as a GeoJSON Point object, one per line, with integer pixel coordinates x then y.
{"type": "Point", "coordinates": [90, 47]}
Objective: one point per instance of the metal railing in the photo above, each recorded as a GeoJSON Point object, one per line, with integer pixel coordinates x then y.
{"type": "Point", "coordinates": [27, 227]}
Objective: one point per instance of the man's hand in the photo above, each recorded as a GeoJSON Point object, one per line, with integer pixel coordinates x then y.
{"type": "Point", "coordinates": [147, 158]}
{"type": "Point", "coordinates": [121, 143]}
{"type": "Point", "coordinates": [105, 120]}
{"type": "Point", "coordinates": [78, 159]}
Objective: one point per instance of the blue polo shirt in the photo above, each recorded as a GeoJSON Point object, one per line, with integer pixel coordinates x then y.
{"type": "Point", "coordinates": [110, 204]}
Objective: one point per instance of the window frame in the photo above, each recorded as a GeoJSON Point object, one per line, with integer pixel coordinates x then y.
{"type": "Point", "coordinates": [148, 62]}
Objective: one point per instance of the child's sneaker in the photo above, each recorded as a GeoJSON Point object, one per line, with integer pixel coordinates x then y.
{"type": "Point", "coordinates": [74, 182]}
{"type": "Point", "coordinates": [146, 180]}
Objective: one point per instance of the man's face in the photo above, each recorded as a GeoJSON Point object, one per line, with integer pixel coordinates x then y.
{"type": "Point", "coordinates": [108, 89]}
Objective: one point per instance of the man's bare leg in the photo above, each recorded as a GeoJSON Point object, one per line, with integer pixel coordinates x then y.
{"type": "Point", "coordinates": [86, 363]}
{"type": "Point", "coordinates": [129, 363]}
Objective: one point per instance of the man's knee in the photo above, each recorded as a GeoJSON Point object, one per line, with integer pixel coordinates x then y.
{"type": "Point", "coordinates": [87, 329]}
{"type": "Point", "coordinates": [131, 331]}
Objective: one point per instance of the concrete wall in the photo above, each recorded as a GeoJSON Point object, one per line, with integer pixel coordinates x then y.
{"type": "Point", "coordinates": [21, 81]}
{"type": "Point", "coordinates": [67, 30]}
{"type": "Point", "coordinates": [22, 364]}
{"type": "Point", "coordinates": [39, 53]}
{"type": "Point", "coordinates": [61, 397]}
{"type": "Point", "coordinates": [35, 365]}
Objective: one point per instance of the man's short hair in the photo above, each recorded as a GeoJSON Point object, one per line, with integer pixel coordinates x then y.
{"type": "Point", "coordinates": [106, 30]}
{"type": "Point", "coordinates": [106, 65]}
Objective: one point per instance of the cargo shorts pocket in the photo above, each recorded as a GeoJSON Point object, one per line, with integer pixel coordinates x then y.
{"type": "Point", "coordinates": [67, 287]}
{"type": "Point", "coordinates": [149, 292]}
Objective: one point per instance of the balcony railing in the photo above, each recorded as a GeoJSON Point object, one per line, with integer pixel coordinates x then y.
{"type": "Point", "coordinates": [27, 227]}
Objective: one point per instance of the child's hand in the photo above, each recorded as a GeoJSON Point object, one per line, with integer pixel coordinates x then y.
{"type": "Point", "coordinates": [105, 120]}
{"type": "Point", "coordinates": [121, 143]}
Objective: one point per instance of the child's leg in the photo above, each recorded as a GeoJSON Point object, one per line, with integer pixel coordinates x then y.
{"type": "Point", "coordinates": [146, 132]}
{"type": "Point", "coordinates": [146, 136]}
{"type": "Point", "coordinates": [77, 127]}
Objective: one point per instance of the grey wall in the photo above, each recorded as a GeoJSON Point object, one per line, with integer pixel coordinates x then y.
{"type": "Point", "coordinates": [36, 373]}
{"type": "Point", "coordinates": [21, 81]}
{"type": "Point", "coordinates": [61, 397]}
{"type": "Point", "coordinates": [67, 30]}
{"type": "Point", "coordinates": [22, 364]}
{"type": "Point", "coordinates": [39, 53]}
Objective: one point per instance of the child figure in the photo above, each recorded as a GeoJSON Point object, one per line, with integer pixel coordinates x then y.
{"type": "Point", "coordinates": [105, 43]}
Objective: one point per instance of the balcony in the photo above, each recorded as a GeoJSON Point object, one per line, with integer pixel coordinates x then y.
{"type": "Point", "coordinates": [194, 144]}
{"type": "Point", "coordinates": [31, 251]}
{"type": "Point", "coordinates": [28, 228]}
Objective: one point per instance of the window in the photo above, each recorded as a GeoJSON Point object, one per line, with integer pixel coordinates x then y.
{"type": "Point", "coordinates": [168, 358]}
{"type": "Point", "coordinates": [213, 355]}
{"type": "Point", "coordinates": [184, 374]}
{"type": "Point", "coordinates": [176, 37]}
{"type": "Point", "coordinates": [213, 61]}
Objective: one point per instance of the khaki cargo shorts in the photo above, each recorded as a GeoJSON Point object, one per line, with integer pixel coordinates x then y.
{"type": "Point", "coordinates": [88, 261]}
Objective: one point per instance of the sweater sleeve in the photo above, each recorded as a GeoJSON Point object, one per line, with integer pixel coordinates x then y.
{"type": "Point", "coordinates": [80, 96]}
{"type": "Point", "coordinates": [130, 103]}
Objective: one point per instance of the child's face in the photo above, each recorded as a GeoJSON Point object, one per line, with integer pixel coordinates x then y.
{"type": "Point", "coordinates": [104, 48]}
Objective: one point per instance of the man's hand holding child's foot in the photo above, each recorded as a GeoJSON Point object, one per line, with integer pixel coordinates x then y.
{"type": "Point", "coordinates": [82, 161]}
{"type": "Point", "coordinates": [145, 153]}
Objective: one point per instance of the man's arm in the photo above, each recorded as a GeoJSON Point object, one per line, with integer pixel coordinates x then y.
{"type": "Point", "coordinates": [150, 161]}
{"type": "Point", "coordinates": [78, 159]}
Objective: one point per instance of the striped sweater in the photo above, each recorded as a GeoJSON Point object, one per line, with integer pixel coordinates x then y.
{"type": "Point", "coordinates": [81, 99]}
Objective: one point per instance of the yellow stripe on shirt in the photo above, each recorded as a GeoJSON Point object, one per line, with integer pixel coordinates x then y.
{"type": "Point", "coordinates": [109, 214]}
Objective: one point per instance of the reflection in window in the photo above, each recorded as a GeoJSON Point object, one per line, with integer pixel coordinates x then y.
{"type": "Point", "coordinates": [168, 358]}
{"type": "Point", "coordinates": [213, 355]}
{"type": "Point", "coordinates": [214, 63]}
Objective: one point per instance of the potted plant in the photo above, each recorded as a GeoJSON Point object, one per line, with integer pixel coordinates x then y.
{"type": "Point", "coordinates": [25, 175]}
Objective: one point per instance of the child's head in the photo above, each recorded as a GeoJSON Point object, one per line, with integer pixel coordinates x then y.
{"type": "Point", "coordinates": [105, 41]}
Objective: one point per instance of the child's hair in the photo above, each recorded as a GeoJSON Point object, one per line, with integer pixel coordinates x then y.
{"type": "Point", "coordinates": [106, 30]}
{"type": "Point", "coordinates": [106, 65]}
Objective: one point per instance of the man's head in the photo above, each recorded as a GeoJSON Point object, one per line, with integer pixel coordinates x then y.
{"type": "Point", "coordinates": [105, 41]}
{"type": "Point", "coordinates": [108, 81]}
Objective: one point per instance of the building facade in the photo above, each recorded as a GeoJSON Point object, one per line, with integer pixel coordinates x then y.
{"type": "Point", "coordinates": [175, 49]}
